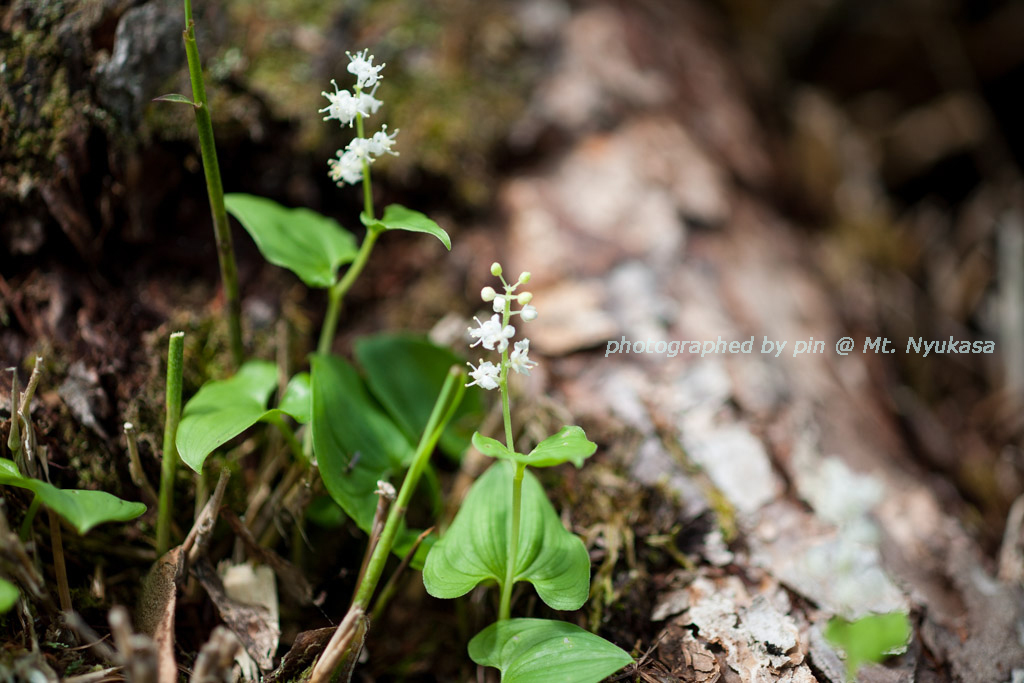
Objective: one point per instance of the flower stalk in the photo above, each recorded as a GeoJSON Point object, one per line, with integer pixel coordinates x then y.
{"type": "Point", "coordinates": [169, 465]}
{"type": "Point", "coordinates": [215, 190]}
{"type": "Point", "coordinates": [495, 335]}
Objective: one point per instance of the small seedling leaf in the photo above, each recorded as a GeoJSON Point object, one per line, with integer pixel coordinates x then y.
{"type": "Point", "coordinates": [475, 548]}
{"type": "Point", "coordinates": [8, 596]}
{"type": "Point", "coordinates": [82, 508]}
{"type": "Point", "coordinates": [355, 442]}
{"type": "Point", "coordinates": [175, 97]}
{"type": "Point", "coordinates": [405, 373]}
{"type": "Point", "coordinates": [397, 217]}
{"type": "Point", "coordinates": [868, 639]}
{"type": "Point", "coordinates": [223, 409]}
{"type": "Point", "coordinates": [310, 245]}
{"type": "Point", "coordinates": [542, 650]}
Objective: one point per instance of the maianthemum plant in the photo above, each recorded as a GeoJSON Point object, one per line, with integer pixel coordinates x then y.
{"type": "Point", "coordinates": [507, 531]}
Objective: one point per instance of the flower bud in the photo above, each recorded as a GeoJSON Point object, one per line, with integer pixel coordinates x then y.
{"type": "Point", "coordinates": [488, 293]}
{"type": "Point", "coordinates": [525, 298]}
{"type": "Point", "coordinates": [528, 313]}
{"type": "Point", "coordinates": [524, 277]}
{"type": "Point", "coordinates": [496, 269]}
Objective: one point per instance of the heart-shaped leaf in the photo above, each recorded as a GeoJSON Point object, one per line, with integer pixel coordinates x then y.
{"type": "Point", "coordinates": [405, 373]}
{"type": "Point", "coordinates": [82, 508]}
{"type": "Point", "coordinates": [223, 409]}
{"type": "Point", "coordinates": [475, 548]}
{"type": "Point", "coordinates": [570, 444]}
{"type": "Point", "coordinates": [542, 650]}
{"type": "Point", "coordinates": [355, 443]}
{"type": "Point", "coordinates": [397, 217]}
{"type": "Point", "coordinates": [310, 245]}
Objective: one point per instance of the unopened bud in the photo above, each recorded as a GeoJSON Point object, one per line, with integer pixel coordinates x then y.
{"type": "Point", "coordinates": [496, 269]}
{"type": "Point", "coordinates": [525, 298]}
{"type": "Point", "coordinates": [524, 277]}
{"type": "Point", "coordinates": [528, 313]}
{"type": "Point", "coordinates": [488, 293]}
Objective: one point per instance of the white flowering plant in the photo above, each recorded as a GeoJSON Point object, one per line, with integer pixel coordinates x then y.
{"type": "Point", "coordinates": [507, 531]}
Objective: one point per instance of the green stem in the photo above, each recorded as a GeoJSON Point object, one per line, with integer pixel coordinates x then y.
{"type": "Point", "coordinates": [338, 290]}
{"type": "Point", "coordinates": [30, 516]}
{"type": "Point", "coordinates": [215, 190]}
{"type": "Point", "coordinates": [175, 353]}
{"type": "Point", "coordinates": [439, 417]}
{"type": "Point", "coordinates": [505, 606]}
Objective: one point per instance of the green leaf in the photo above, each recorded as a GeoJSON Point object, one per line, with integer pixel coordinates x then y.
{"type": "Point", "coordinates": [223, 409]}
{"type": "Point", "coordinates": [570, 444]}
{"type": "Point", "coordinates": [355, 443]}
{"type": "Point", "coordinates": [475, 548]}
{"type": "Point", "coordinates": [869, 639]}
{"type": "Point", "coordinates": [297, 398]}
{"type": "Point", "coordinates": [8, 596]}
{"type": "Point", "coordinates": [83, 509]}
{"type": "Point", "coordinates": [310, 245]}
{"type": "Point", "coordinates": [405, 373]}
{"type": "Point", "coordinates": [175, 97]}
{"type": "Point", "coordinates": [493, 448]}
{"type": "Point", "coordinates": [397, 217]}
{"type": "Point", "coordinates": [542, 650]}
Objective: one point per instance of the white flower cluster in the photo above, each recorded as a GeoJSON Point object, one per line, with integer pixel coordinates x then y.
{"type": "Point", "coordinates": [495, 333]}
{"type": "Point", "coordinates": [348, 107]}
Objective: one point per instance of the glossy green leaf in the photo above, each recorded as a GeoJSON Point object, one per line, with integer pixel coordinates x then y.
{"type": "Point", "coordinates": [405, 373]}
{"type": "Point", "coordinates": [570, 444]}
{"type": "Point", "coordinates": [310, 245]}
{"type": "Point", "coordinates": [8, 596]}
{"type": "Point", "coordinates": [542, 650]}
{"type": "Point", "coordinates": [175, 97]}
{"type": "Point", "coordinates": [475, 548]}
{"type": "Point", "coordinates": [355, 443]}
{"type": "Point", "coordinates": [223, 409]}
{"type": "Point", "coordinates": [82, 508]}
{"type": "Point", "coordinates": [397, 217]}
{"type": "Point", "coordinates": [868, 639]}
{"type": "Point", "coordinates": [297, 398]}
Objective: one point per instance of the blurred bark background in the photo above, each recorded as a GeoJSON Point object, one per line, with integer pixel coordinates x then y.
{"type": "Point", "coordinates": [667, 170]}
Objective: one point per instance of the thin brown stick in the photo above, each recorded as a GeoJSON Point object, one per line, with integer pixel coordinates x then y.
{"type": "Point", "coordinates": [63, 591]}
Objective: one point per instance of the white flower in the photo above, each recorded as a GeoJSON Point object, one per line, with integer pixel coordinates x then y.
{"type": "Point", "coordinates": [343, 106]}
{"type": "Point", "coordinates": [368, 104]}
{"type": "Point", "coordinates": [347, 168]}
{"type": "Point", "coordinates": [519, 360]}
{"type": "Point", "coordinates": [499, 303]}
{"type": "Point", "coordinates": [361, 64]}
{"type": "Point", "coordinates": [485, 376]}
{"type": "Point", "coordinates": [381, 142]}
{"type": "Point", "coordinates": [490, 333]}
{"type": "Point", "coordinates": [528, 313]}
{"type": "Point", "coordinates": [361, 148]}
